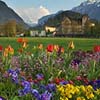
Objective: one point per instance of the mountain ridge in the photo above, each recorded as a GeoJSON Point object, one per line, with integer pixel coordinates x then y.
{"type": "Point", "coordinates": [7, 14]}
{"type": "Point", "coordinates": [90, 7]}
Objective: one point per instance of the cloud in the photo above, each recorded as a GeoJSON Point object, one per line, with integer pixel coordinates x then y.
{"type": "Point", "coordinates": [31, 15]}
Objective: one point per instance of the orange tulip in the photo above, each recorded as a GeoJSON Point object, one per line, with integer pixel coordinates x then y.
{"type": "Point", "coordinates": [56, 48]}
{"type": "Point", "coordinates": [20, 40]}
{"type": "Point", "coordinates": [5, 52]}
{"type": "Point", "coordinates": [10, 50]}
{"type": "Point", "coordinates": [25, 40]}
{"type": "Point", "coordinates": [40, 46]}
{"type": "Point", "coordinates": [20, 50]}
{"type": "Point", "coordinates": [62, 50]}
{"type": "Point", "coordinates": [24, 45]}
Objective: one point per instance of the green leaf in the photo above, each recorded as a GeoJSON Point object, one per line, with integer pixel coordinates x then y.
{"type": "Point", "coordinates": [15, 98]}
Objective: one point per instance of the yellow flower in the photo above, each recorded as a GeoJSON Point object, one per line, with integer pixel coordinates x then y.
{"type": "Point", "coordinates": [97, 91]}
{"type": "Point", "coordinates": [71, 45]}
{"type": "Point", "coordinates": [82, 87]}
{"type": "Point", "coordinates": [80, 98]}
{"type": "Point", "coordinates": [89, 87]}
{"type": "Point", "coordinates": [89, 92]}
{"type": "Point", "coordinates": [89, 95]}
{"type": "Point", "coordinates": [61, 98]}
{"type": "Point", "coordinates": [76, 89]}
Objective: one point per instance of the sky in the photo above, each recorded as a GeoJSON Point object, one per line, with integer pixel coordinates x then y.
{"type": "Point", "coordinates": [32, 10]}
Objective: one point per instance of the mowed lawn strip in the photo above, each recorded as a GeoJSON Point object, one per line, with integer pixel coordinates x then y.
{"type": "Point", "coordinates": [80, 43]}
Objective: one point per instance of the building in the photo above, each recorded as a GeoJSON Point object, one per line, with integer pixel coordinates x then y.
{"type": "Point", "coordinates": [43, 33]}
{"type": "Point", "coordinates": [73, 26]}
{"type": "Point", "coordinates": [34, 33]}
{"type": "Point", "coordinates": [49, 28]}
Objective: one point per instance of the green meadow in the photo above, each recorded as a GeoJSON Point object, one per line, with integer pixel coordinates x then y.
{"type": "Point", "coordinates": [80, 43]}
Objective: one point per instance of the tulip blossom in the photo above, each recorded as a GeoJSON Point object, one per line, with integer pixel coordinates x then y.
{"type": "Point", "coordinates": [19, 40]}
{"type": "Point", "coordinates": [97, 48]}
{"type": "Point", "coordinates": [10, 50]}
{"type": "Point", "coordinates": [1, 48]}
{"type": "Point", "coordinates": [22, 40]}
{"type": "Point", "coordinates": [40, 46]}
{"type": "Point", "coordinates": [50, 48]}
{"type": "Point", "coordinates": [24, 45]}
{"type": "Point", "coordinates": [71, 45]}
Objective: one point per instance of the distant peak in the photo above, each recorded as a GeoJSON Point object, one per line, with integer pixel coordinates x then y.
{"type": "Point", "coordinates": [92, 0]}
{"type": "Point", "coordinates": [2, 3]}
{"type": "Point", "coordinates": [88, 2]}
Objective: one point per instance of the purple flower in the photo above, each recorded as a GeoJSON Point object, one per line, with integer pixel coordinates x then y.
{"type": "Point", "coordinates": [95, 84]}
{"type": "Point", "coordinates": [39, 76]}
{"type": "Point", "coordinates": [10, 71]}
{"type": "Point", "coordinates": [76, 61]}
{"type": "Point", "coordinates": [36, 94]}
{"type": "Point", "coordinates": [26, 89]}
{"type": "Point", "coordinates": [46, 96]}
{"type": "Point", "coordinates": [1, 98]}
{"type": "Point", "coordinates": [64, 82]}
{"type": "Point", "coordinates": [14, 75]}
{"type": "Point", "coordinates": [51, 87]}
{"type": "Point", "coordinates": [42, 87]}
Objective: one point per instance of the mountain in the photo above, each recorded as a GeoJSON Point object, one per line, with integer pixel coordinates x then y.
{"type": "Point", "coordinates": [90, 7]}
{"type": "Point", "coordinates": [56, 19]}
{"type": "Point", "coordinates": [7, 14]}
{"type": "Point", "coordinates": [44, 19]}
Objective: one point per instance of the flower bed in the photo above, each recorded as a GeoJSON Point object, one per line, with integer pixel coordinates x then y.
{"type": "Point", "coordinates": [51, 73]}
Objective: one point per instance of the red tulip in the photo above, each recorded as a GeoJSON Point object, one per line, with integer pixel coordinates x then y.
{"type": "Point", "coordinates": [50, 48]}
{"type": "Point", "coordinates": [1, 48]}
{"type": "Point", "coordinates": [97, 48]}
{"type": "Point", "coordinates": [57, 80]}
{"type": "Point", "coordinates": [20, 40]}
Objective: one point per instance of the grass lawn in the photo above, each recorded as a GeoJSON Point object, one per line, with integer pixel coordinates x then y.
{"type": "Point", "coordinates": [80, 43]}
